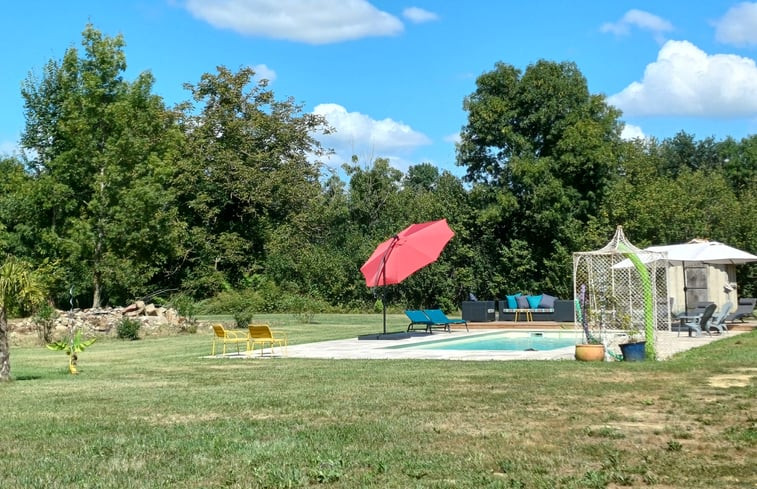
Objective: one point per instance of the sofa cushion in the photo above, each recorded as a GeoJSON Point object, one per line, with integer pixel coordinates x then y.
{"type": "Point", "coordinates": [533, 301]}
{"type": "Point", "coordinates": [512, 302]}
{"type": "Point", "coordinates": [547, 301]}
{"type": "Point", "coordinates": [522, 302]}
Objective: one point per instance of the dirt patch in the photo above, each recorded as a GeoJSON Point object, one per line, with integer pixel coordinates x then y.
{"type": "Point", "coordinates": [740, 378]}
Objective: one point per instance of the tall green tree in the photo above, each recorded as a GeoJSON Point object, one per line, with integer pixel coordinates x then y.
{"type": "Point", "coordinates": [249, 165]}
{"type": "Point", "coordinates": [103, 152]}
{"type": "Point", "coordinates": [548, 148]}
{"type": "Point", "coordinates": [19, 287]}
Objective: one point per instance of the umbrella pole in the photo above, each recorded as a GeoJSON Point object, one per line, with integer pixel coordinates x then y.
{"type": "Point", "coordinates": [383, 302]}
{"type": "Point", "coordinates": [685, 289]}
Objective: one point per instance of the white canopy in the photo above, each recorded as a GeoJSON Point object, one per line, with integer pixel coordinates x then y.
{"type": "Point", "coordinates": [696, 250]}
{"type": "Point", "coordinates": [704, 251]}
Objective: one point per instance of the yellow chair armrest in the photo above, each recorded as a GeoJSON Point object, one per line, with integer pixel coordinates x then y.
{"type": "Point", "coordinates": [236, 335]}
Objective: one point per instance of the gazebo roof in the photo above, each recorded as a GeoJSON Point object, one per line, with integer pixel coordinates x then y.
{"type": "Point", "coordinates": [618, 244]}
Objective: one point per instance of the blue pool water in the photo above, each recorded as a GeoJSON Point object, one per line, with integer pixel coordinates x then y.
{"type": "Point", "coordinates": [506, 340]}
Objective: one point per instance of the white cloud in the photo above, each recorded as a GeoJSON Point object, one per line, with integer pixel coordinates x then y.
{"type": "Point", "coordinates": [263, 72]}
{"type": "Point", "coordinates": [357, 133]}
{"type": "Point", "coordinates": [686, 81]}
{"type": "Point", "coordinates": [452, 138]}
{"type": "Point", "coordinates": [419, 15]}
{"type": "Point", "coordinates": [641, 20]}
{"type": "Point", "coordinates": [314, 22]}
{"type": "Point", "coordinates": [630, 132]}
{"type": "Point", "coordinates": [738, 26]}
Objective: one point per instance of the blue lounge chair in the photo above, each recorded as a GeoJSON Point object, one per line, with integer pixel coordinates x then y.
{"type": "Point", "coordinates": [418, 317]}
{"type": "Point", "coordinates": [441, 319]}
{"type": "Point", "coordinates": [699, 324]}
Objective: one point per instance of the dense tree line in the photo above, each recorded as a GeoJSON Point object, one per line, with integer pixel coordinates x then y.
{"type": "Point", "coordinates": [118, 196]}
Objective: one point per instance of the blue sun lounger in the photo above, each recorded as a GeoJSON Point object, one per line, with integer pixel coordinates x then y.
{"type": "Point", "coordinates": [441, 319]}
{"type": "Point", "coordinates": [418, 317]}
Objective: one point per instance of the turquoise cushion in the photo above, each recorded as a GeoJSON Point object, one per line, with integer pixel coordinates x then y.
{"type": "Point", "coordinates": [512, 302]}
{"type": "Point", "coordinates": [533, 301]}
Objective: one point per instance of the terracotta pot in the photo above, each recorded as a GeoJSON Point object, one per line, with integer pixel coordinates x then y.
{"type": "Point", "coordinates": [590, 353]}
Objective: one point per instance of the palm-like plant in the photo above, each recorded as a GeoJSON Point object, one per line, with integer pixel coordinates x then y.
{"type": "Point", "coordinates": [19, 286]}
{"type": "Point", "coordinates": [72, 345]}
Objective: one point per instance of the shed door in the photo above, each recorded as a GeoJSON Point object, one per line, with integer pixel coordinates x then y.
{"type": "Point", "coordinates": [695, 284]}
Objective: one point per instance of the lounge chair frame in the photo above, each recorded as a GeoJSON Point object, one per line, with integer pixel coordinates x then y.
{"type": "Point", "coordinates": [744, 308]}
{"type": "Point", "coordinates": [700, 323]}
{"type": "Point", "coordinates": [418, 317]}
{"type": "Point", "coordinates": [262, 334]}
{"type": "Point", "coordinates": [441, 320]}
{"type": "Point", "coordinates": [226, 336]}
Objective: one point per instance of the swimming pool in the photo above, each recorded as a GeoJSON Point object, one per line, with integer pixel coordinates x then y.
{"type": "Point", "coordinates": [501, 340]}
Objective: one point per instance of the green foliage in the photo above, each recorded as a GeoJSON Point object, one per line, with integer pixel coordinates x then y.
{"type": "Point", "coordinates": [128, 329]}
{"type": "Point", "coordinates": [245, 169]}
{"type": "Point", "coordinates": [546, 145]}
{"type": "Point", "coordinates": [44, 320]}
{"type": "Point", "coordinates": [243, 304]}
{"type": "Point", "coordinates": [103, 151]}
{"type": "Point", "coordinates": [19, 287]}
{"type": "Point", "coordinates": [184, 305]}
{"type": "Point", "coordinates": [187, 308]}
{"type": "Point", "coordinates": [73, 344]}
{"type": "Point", "coordinates": [243, 317]}
{"type": "Point", "coordinates": [222, 199]}
{"type": "Point", "coordinates": [231, 301]}
{"type": "Point", "coordinates": [303, 308]}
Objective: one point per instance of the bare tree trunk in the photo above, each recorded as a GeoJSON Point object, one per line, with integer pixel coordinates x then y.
{"type": "Point", "coordinates": [97, 278]}
{"type": "Point", "coordinates": [96, 297]}
{"type": "Point", "coordinates": [5, 353]}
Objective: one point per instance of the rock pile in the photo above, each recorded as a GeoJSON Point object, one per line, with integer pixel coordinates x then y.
{"type": "Point", "coordinates": [104, 321]}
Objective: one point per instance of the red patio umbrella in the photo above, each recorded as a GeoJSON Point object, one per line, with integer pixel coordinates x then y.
{"type": "Point", "coordinates": [405, 253]}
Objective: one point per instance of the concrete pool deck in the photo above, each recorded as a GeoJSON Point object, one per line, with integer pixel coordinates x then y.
{"type": "Point", "coordinates": [668, 344]}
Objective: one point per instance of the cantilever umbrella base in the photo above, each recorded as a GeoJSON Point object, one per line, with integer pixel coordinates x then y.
{"type": "Point", "coordinates": [399, 335]}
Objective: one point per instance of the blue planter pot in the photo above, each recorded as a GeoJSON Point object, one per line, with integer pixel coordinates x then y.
{"type": "Point", "coordinates": [634, 352]}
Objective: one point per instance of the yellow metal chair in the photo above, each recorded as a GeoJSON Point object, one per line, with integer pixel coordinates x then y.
{"type": "Point", "coordinates": [261, 334]}
{"type": "Point", "coordinates": [226, 336]}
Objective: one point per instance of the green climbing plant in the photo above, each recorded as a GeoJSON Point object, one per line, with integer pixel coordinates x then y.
{"type": "Point", "coordinates": [649, 348]}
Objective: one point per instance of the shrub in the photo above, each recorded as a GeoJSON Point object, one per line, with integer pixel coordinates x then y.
{"type": "Point", "coordinates": [187, 308]}
{"type": "Point", "coordinates": [128, 329]}
{"type": "Point", "coordinates": [303, 308]}
{"type": "Point", "coordinates": [243, 317]}
{"type": "Point", "coordinates": [44, 320]}
{"type": "Point", "coordinates": [232, 300]}
{"type": "Point", "coordinates": [184, 305]}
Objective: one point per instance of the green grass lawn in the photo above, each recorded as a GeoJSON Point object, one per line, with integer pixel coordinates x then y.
{"type": "Point", "coordinates": [154, 413]}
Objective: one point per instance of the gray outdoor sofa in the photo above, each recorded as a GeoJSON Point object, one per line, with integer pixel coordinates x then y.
{"type": "Point", "coordinates": [487, 311]}
{"type": "Point", "coordinates": [562, 311]}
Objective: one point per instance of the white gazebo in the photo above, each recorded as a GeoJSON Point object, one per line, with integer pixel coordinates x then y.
{"type": "Point", "coordinates": [621, 287]}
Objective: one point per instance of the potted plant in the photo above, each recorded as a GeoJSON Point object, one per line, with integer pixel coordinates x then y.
{"type": "Point", "coordinates": [591, 348]}
{"type": "Point", "coordinates": [634, 348]}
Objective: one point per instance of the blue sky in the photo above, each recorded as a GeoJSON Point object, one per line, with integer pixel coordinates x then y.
{"type": "Point", "coordinates": [391, 76]}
